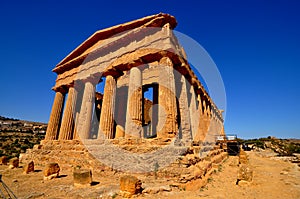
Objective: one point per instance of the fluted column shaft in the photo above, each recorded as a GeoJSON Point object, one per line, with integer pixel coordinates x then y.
{"type": "Point", "coordinates": [185, 120]}
{"type": "Point", "coordinates": [106, 125]}
{"type": "Point", "coordinates": [203, 127]}
{"type": "Point", "coordinates": [79, 86]}
{"type": "Point", "coordinates": [86, 110]}
{"type": "Point", "coordinates": [133, 126]}
{"type": "Point", "coordinates": [67, 124]}
{"type": "Point", "coordinates": [193, 111]}
{"type": "Point", "coordinates": [55, 117]}
{"type": "Point", "coordinates": [167, 100]}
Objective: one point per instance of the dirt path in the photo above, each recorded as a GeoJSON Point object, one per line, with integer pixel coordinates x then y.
{"type": "Point", "coordinates": [272, 179]}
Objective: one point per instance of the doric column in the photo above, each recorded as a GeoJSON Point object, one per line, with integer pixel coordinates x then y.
{"type": "Point", "coordinates": [167, 119]}
{"type": "Point", "coordinates": [55, 117]}
{"type": "Point", "coordinates": [86, 110]}
{"type": "Point", "coordinates": [79, 86]}
{"type": "Point", "coordinates": [209, 126]}
{"type": "Point", "coordinates": [200, 132]}
{"type": "Point", "coordinates": [212, 123]}
{"type": "Point", "coordinates": [203, 127]}
{"type": "Point", "coordinates": [133, 127]}
{"type": "Point", "coordinates": [67, 124]}
{"type": "Point", "coordinates": [106, 125]}
{"type": "Point", "coordinates": [193, 111]}
{"type": "Point", "coordinates": [185, 122]}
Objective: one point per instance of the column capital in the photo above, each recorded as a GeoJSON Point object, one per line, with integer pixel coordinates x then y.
{"type": "Point", "coordinates": [62, 89]}
{"type": "Point", "coordinates": [114, 73]}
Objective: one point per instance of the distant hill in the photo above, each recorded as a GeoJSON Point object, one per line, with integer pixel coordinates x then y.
{"type": "Point", "coordinates": [6, 119]}
{"type": "Point", "coordinates": [18, 135]}
{"type": "Point", "coordinates": [23, 121]}
{"type": "Point", "coordinates": [283, 147]}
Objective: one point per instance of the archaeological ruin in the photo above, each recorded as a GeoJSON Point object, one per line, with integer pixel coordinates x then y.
{"type": "Point", "coordinates": [130, 59]}
{"type": "Point", "coordinates": [130, 88]}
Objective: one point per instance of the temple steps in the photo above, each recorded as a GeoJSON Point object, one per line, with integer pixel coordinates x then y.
{"type": "Point", "coordinates": [184, 164]}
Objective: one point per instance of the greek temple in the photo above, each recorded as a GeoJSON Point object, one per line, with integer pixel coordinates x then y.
{"type": "Point", "coordinates": [131, 62]}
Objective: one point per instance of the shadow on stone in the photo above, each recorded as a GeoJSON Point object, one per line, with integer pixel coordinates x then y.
{"type": "Point", "coordinates": [94, 183]}
{"type": "Point", "coordinates": [62, 176]}
{"type": "Point", "coordinates": [37, 170]}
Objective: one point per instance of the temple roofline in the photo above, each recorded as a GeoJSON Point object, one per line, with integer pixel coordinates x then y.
{"type": "Point", "coordinates": [158, 20]}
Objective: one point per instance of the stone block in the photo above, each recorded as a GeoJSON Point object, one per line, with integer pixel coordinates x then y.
{"type": "Point", "coordinates": [14, 163]}
{"type": "Point", "coordinates": [243, 157]}
{"type": "Point", "coordinates": [129, 186]}
{"type": "Point", "coordinates": [245, 173]}
{"type": "Point", "coordinates": [155, 190]}
{"type": "Point", "coordinates": [120, 132]}
{"type": "Point", "coordinates": [82, 177]}
{"type": "Point", "coordinates": [29, 167]}
{"type": "Point", "coordinates": [51, 171]}
{"type": "Point", "coordinates": [3, 160]}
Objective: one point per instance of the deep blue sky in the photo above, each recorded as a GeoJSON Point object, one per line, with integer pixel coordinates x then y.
{"type": "Point", "coordinates": [255, 45]}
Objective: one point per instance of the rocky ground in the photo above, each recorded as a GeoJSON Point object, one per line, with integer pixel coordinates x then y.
{"type": "Point", "coordinates": [272, 178]}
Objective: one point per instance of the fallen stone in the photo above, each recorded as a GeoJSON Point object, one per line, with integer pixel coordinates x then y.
{"type": "Point", "coordinates": [13, 163]}
{"type": "Point", "coordinates": [155, 190]}
{"type": "Point", "coordinates": [82, 177]}
{"type": "Point", "coordinates": [245, 173]}
{"type": "Point", "coordinates": [244, 183]}
{"type": "Point", "coordinates": [243, 157]}
{"type": "Point", "coordinates": [129, 186]}
{"type": "Point", "coordinates": [29, 167]}
{"type": "Point", "coordinates": [3, 160]}
{"type": "Point", "coordinates": [51, 171]}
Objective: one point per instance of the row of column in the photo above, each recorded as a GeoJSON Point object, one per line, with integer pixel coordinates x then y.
{"type": "Point", "coordinates": [194, 121]}
{"type": "Point", "coordinates": [66, 128]}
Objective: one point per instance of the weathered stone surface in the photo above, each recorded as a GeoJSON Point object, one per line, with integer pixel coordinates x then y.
{"type": "Point", "coordinates": [194, 115]}
{"type": "Point", "coordinates": [51, 171]}
{"type": "Point", "coordinates": [195, 185]}
{"type": "Point", "coordinates": [155, 190]}
{"type": "Point", "coordinates": [55, 116]}
{"type": "Point", "coordinates": [245, 173]}
{"type": "Point", "coordinates": [133, 126]}
{"type": "Point", "coordinates": [167, 114]}
{"type": "Point", "coordinates": [14, 163]}
{"type": "Point", "coordinates": [82, 177]}
{"type": "Point", "coordinates": [29, 167]}
{"type": "Point", "coordinates": [185, 121]}
{"type": "Point", "coordinates": [86, 110]}
{"type": "Point", "coordinates": [3, 160]}
{"type": "Point", "coordinates": [129, 186]}
{"type": "Point", "coordinates": [67, 124]}
{"type": "Point", "coordinates": [243, 157]}
{"type": "Point", "coordinates": [106, 125]}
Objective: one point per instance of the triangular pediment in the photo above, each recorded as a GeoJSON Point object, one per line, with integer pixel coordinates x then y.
{"type": "Point", "coordinates": [158, 20]}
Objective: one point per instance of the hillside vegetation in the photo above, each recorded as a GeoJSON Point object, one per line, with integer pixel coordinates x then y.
{"type": "Point", "coordinates": [283, 147]}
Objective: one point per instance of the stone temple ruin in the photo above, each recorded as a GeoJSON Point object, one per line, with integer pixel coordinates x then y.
{"type": "Point", "coordinates": [132, 58]}
{"type": "Point", "coordinates": [131, 62]}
